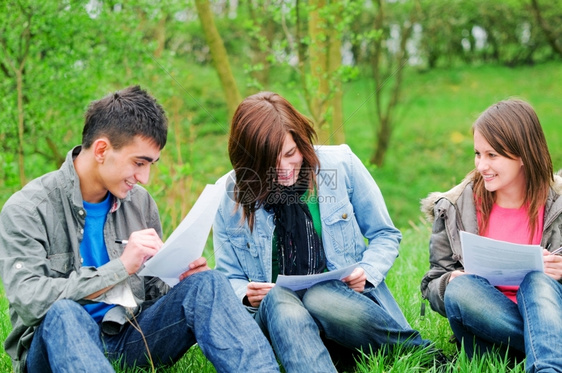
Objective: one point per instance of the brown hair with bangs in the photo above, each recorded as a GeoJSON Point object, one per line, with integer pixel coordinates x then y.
{"type": "Point", "coordinates": [257, 132]}
{"type": "Point", "coordinates": [512, 129]}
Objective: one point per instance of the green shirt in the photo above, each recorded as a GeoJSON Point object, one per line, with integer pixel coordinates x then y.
{"type": "Point", "coordinates": [314, 208]}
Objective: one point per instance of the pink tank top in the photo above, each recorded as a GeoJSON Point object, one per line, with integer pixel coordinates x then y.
{"type": "Point", "coordinates": [512, 225]}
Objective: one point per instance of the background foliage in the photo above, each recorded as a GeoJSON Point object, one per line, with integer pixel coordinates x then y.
{"type": "Point", "coordinates": [56, 57]}
{"type": "Point", "coordinates": [401, 79]}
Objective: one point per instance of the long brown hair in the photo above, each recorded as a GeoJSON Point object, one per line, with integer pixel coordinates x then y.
{"type": "Point", "coordinates": [512, 129]}
{"type": "Point", "coordinates": [257, 132]}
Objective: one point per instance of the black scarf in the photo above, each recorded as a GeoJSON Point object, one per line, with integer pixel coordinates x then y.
{"type": "Point", "coordinates": [299, 248]}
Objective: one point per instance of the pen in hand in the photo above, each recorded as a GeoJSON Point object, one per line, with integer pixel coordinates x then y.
{"type": "Point", "coordinates": [557, 251]}
{"type": "Point", "coordinates": [121, 242]}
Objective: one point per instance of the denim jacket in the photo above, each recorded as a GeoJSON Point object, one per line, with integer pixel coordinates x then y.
{"type": "Point", "coordinates": [41, 229]}
{"type": "Point", "coordinates": [356, 227]}
{"type": "Point", "coordinates": [453, 211]}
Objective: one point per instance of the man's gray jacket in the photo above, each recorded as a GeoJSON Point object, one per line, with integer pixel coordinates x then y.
{"type": "Point", "coordinates": [41, 228]}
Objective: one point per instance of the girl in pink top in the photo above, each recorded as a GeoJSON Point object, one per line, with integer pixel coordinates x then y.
{"type": "Point", "coordinates": [512, 195]}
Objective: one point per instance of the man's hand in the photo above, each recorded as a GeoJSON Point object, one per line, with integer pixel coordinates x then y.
{"type": "Point", "coordinates": [256, 291]}
{"type": "Point", "coordinates": [141, 246]}
{"type": "Point", "coordinates": [198, 265]}
{"type": "Point", "coordinates": [356, 280]}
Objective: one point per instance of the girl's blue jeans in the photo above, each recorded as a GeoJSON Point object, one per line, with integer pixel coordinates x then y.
{"type": "Point", "coordinates": [483, 318]}
{"type": "Point", "coordinates": [295, 323]}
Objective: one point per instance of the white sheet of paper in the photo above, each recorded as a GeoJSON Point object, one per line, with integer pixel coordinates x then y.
{"type": "Point", "coordinates": [500, 262]}
{"type": "Point", "coordinates": [298, 282]}
{"type": "Point", "coordinates": [188, 240]}
{"type": "Point", "coordinates": [121, 294]}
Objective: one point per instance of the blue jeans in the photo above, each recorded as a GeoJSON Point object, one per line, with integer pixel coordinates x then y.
{"type": "Point", "coordinates": [540, 304]}
{"type": "Point", "coordinates": [200, 309]}
{"type": "Point", "coordinates": [484, 318]}
{"type": "Point", "coordinates": [296, 321]}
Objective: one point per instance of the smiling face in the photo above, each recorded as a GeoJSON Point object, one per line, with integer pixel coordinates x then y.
{"type": "Point", "coordinates": [120, 169]}
{"type": "Point", "coordinates": [502, 175]}
{"type": "Point", "coordinates": [289, 162]}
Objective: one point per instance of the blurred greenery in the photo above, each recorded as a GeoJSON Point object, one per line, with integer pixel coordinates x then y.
{"type": "Point", "coordinates": [58, 56]}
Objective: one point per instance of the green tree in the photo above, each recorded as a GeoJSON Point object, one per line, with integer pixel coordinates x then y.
{"type": "Point", "coordinates": [55, 58]}
{"type": "Point", "coordinates": [387, 67]}
{"type": "Point", "coordinates": [323, 89]}
{"type": "Point", "coordinates": [309, 32]}
{"type": "Point", "coordinates": [39, 58]}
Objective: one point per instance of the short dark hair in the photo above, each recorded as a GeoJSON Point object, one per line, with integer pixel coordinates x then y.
{"type": "Point", "coordinates": [123, 115]}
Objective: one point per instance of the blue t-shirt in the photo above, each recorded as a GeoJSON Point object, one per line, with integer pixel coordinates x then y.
{"type": "Point", "coordinates": [93, 249]}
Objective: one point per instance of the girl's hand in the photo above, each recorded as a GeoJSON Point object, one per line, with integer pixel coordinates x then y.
{"type": "Point", "coordinates": [552, 265]}
{"type": "Point", "coordinates": [356, 280]}
{"type": "Point", "coordinates": [456, 274]}
{"type": "Point", "coordinates": [256, 291]}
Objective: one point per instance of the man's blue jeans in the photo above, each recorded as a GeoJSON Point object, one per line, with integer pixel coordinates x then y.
{"type": "Point", "coordinates": [296, 321]}
{"type": "Point", "coordinates": [200, 309]}
{"type": "Point", "coordinates": [484, 318]}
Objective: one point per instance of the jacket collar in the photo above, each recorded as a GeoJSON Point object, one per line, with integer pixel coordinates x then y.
{"type": "Point", "coordinates": [71, 182]}
{"type": "Point", "coordinates": [453, 194]}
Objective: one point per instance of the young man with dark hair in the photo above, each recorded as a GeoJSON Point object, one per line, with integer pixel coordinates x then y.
{"type": "Point", "coordinates": [63, 270]}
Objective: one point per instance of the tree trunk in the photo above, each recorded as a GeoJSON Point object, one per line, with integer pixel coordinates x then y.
{"type": "Point", "coordinates": [336, 99]}
{"type": "Point", "coordinates": [261, 49]}
{"type": "Point", "coordinates": [219, 56]}
{"type": "Point", "coordinates": [160, 36]}
{"type": "Point", "coordinates": [384, 114]}
{"type": "Point", "coordinates": [547, 30]}
{"type": "Point", "coordinates": [317, 52]}
{"type": "Point", "coordinates": [325, 60]}
{"type": "Point", "coordinates": [383, 141]}
{"type": "Point", "coordinates": [19, 85]}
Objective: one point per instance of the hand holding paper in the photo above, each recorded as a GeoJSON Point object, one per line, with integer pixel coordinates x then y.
{"type": "Point", "coordinates": [500, 262]}
{"type": "Point", "coordinates": [304, 282]}
{"type": "Point", "coordinates": [188, 240]}
{"type": "Point", "coordinates": [198, 265]}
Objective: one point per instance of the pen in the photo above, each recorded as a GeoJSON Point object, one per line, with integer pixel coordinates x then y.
{"type": "Point", "coordinates": [121, 242]}
{"type": "Point", "coordinates": [557, 251]}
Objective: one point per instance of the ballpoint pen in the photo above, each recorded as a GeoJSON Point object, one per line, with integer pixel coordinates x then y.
{"type": "Point", "coordinates": [121, 242]}
{"type": "Point", "coordinates": [557, 251]}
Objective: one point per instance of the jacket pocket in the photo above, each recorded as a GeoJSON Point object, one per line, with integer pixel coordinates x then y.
{"type": "Point", "coordinates": [62, 264]}
{"type": "Point", "coordinates": [246, 251]}
{"type": "Point", "coordinates": [342, 229]}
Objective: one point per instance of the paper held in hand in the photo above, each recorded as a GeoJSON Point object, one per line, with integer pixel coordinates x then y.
{"type": "Point", "coordinates": [299, 282]}
{"type": "Point", "coordinates": [188, 240]}
{"type": "Point", "coordinates": [500, 262]}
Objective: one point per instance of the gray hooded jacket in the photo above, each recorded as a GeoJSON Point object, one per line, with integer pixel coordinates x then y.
{"type": "Point", "coordinates": [453, 211]}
